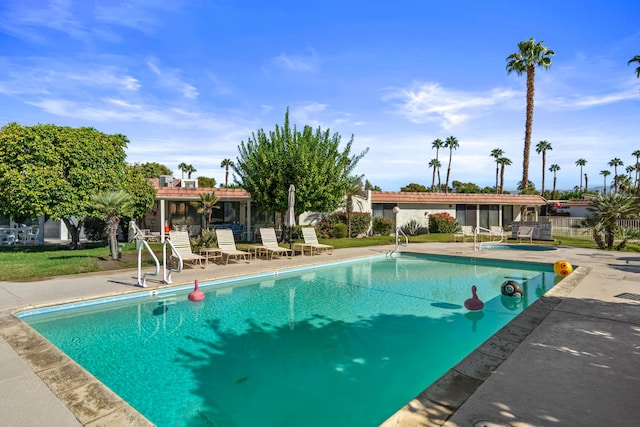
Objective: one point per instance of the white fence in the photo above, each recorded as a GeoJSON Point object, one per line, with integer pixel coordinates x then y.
{"type": "Point", "coordinates": [572, 227]}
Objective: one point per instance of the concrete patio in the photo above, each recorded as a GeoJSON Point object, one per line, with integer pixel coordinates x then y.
{"type": "Point", "coordinates": [571, 359]}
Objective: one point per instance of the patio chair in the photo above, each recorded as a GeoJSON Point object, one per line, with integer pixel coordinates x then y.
{"type": "Point", "coordinates": [182, 247]}
{"type": "Point", "coordinates": [464, 231]}
{"type": "Point", "coordinates": [270, 243]}
{"type": "Point", "coordinates": [525, 233]}
{"type": "Point", "coordinates": [311, 242]}
{"type": "Point", "coordinates": [227, 245]}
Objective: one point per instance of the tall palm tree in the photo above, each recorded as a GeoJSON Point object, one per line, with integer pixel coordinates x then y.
{"type": "Point", "coordinates": [437, 144]}
{"type": "Point", "coordinates": [554, 168]}
{"type": "Point", "coordinates": [111, 206]}
{"type": "Point", "coordinates": [529, 56]}
{"type": "Point", "coordinates": [503, 161]}
{"type": "Point", "coordinates": [581, 163]}
{"type": "Point", "coordinates": [630, 169]}
{"type": "Point", "coordinates": [542, 147]}
{"type": "Point", "coordinates": [226, 164]}
{"type": "Point", "coordinates": [605, 173]}
{"type": "Point", "coordinates": [205, 206]}
{"type": "Point", "coordinates": [586, 182]}
{"type": "Point", "coordinates": [615, 162]}
{"type": "Point", "coordinates": [451, 143]}
{"type": "Point", "coordinates": [183, 167]}
{"type": "Point", "coordinates": [435, 164]}
{"type": "Point", "coordinates": [189, 170]}
{"type": "Point", "coordinates": [635, 59]}
{"type": "Point", "coordinates": [496, 153]}
{"type": "Point", "coordinates": [636, 154]}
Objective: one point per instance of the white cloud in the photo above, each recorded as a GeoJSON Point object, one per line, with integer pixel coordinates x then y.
{"type": "Point", "coordinates": [298, 63]}
{"type": "Point", "coordinates": [170, 79]}
{"type": "Point", "coordinates": [430, 102]}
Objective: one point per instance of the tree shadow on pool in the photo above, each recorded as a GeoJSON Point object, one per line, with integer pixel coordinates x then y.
{"type": "Point", "coordinates": [326, 372]}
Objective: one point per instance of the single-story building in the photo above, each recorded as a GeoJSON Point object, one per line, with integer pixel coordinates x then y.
{"type": "Point", "coordinates": [173, 208]}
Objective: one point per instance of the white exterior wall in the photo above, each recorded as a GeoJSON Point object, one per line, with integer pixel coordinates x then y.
{"type": "Point", "coordinates": [420, 213]}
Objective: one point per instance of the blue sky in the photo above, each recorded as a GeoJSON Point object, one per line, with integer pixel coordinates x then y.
{"type": "Point", "coordinates": [187, 81]}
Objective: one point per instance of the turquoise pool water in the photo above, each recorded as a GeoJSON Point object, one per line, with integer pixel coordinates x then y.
{"type": "Point", "coordinates": [342, 345]}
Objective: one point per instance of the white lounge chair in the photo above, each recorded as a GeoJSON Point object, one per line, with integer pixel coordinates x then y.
{"type": "Point", "coordinates": [464, 231]}
{"type": "Point", "coordinates": [311, 242]}
{"type": "Point", "coordinates": [525, 233]}
{"type": "Point", "coordinates": [270, 243]}
{"type": "Point", "coordinates": [227, 245]}
{"type": "Point", "coordinates": [182, 246]}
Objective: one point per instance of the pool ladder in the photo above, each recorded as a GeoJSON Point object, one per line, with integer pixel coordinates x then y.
{"type": "Point", "coordinates": [166, 272]}
{"type": "Point", "coordinates": [398, 244]}
{"type": "Point", "coordinates": [478, 245]}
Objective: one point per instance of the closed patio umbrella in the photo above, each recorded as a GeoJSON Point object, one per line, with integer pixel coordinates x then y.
{"type": "Point", "coordinates": [290, 216]}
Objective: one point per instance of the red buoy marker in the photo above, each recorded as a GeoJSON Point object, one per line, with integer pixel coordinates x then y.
{"type": "Point", "coordinates": [474, 302]}
{"type": "Point", "coordinates": [197, 295]}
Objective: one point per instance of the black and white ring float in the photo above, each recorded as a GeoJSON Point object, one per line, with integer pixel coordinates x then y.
{"type": "Point", "coordinates": [511, 288]}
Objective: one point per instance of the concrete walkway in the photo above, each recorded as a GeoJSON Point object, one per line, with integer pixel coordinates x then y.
{"type": "Point", "coordinates": [571, 359]}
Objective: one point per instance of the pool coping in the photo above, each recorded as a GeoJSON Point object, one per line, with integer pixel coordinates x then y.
{"type": "Point", "coordinates": [93, 403]}
{"type": "Point", "coordinates": [438, 402]}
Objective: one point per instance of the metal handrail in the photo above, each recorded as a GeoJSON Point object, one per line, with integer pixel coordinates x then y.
{"type": "Point", "coordinates": [167, 278]}
{"type": "Point", "coordinates": [142, 278]}
{"type": "Point", "coordinates": [478, 245]}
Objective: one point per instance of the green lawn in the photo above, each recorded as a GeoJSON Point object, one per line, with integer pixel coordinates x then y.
{"type": "Point", "coordinates": [34, 262]}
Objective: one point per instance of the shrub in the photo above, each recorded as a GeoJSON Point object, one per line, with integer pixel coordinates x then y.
{"type": "Point", "coordinates": [382, 226]}
{"type": "Point", "coordinates": [360, 223]}
{"type": "Point", "coordinates": [442, 223]}
{"type": "Point", "coordinates": [340, 231]}
{"type": "Point", "coordinates": [95, 229]}
{"type": "Point", "coordinates": [412, 228]}
{"type": "Point", "coordinates": [206, 240]}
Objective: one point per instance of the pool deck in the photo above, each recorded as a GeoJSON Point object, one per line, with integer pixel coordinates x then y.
{"type": "Point", "coordinates": [571, 359]}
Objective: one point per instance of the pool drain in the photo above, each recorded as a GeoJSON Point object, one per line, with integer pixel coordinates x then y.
{"type": "Point", "coordinates": [627, 295]}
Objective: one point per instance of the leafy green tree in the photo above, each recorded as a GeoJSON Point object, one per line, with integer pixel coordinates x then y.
{"type": "Point", "coordinates": [435, 164]}
{"type": "Point", "coordinates": [581, 163]}
{"type": "Point", "coordinates": [111, 206]}
{"type": "Point", "coordinates": [226, 164]}
{"type": "Point", "coordinates": [206, 182]}
{"type": "Point", "coordinates": [636, 58]}
{"type": "Point", "coordinates": [554, 168]}
{"type": "Point", "coordinates": [496, 153]}
{"type": "Point", "coordinates": [529, 56]}
{"type": "Point", "coordinates": [153, 170]}
{"type": "Point", "coordinates": [469, 187]}
{"type": "Point", "coordinates": [452, 144]}
{"type": "Point", "coordinates": [542, 147]}
{"type": "Point", "coordinates": [141, 192]}
{"type": "Point", "coordinates": [605, 173]}
{"type": "Point", "coordinates": [206, 205]}
{"type": "Point", "coordinates": [54, 170]}
{"type": "Point", "coordinates": [615, 162]}
{"type": "Point", "coordinates": [413, 187]}
{"type": "Point", "coordinates": [503, 161]}
{"type": "Point", "coordinates": [606, 211]}
{"type": "Point", "coordinates": [311, 160]}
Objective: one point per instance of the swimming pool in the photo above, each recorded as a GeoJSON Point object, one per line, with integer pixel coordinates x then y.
{"type": "Point", "coordinates": [346, 344]}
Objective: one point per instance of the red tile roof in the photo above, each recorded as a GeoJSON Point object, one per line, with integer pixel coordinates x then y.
{"type": "Point", "coordinates": [459, 198]}
{"type": "Point", "coordinates": [194, 193]}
